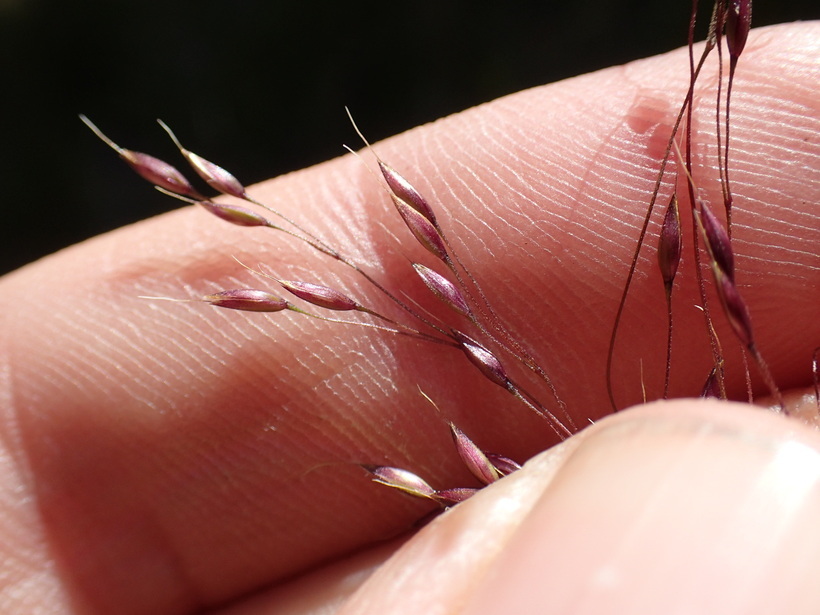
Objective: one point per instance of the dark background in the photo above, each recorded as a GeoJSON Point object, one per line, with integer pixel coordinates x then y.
{"type": "Point", "coordinates": [260, 85]}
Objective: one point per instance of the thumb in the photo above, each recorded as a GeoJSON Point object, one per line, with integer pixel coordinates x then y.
{"type": "Point", "coordinates": [723, 520]}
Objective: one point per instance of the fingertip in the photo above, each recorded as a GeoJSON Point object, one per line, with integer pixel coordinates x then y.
{"type": "Point", "coordinates": [704, 505]}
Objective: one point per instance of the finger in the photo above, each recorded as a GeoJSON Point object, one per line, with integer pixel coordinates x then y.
{"type": "Point", "coordinates": [324, 589]}
{"type": "Point", "coordinates": [185, 450]}
{"type": "Point", "coordinates": [721, 520]}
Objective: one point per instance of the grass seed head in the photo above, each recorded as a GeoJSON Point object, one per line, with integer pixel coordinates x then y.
{"type": "Point", "coordinates": [159, 173]}
{"type": "Point", "coordinates": [318, 295]}
{"type": "Point", "coordinates": [442, 288]}
{"type": "Point", "coordinates": [404, 190]}
{"type": "Point", "coordinates": [151, 169]}
{"type": "Point", "coordinates": [451, 497]}
{"type": "Point", "coordinates": [248, 300]}
{"type": "Point", "coordinates": [711, 388]}
{"type": "Point", "coordinates": [670, 243]}
{"type": "Point", "coordinates": [473, 457]}
{"type": "Point", "coordinates": [241, 216]}
{"type": "Point", "coordinates": [504, 465]}
{"type": "Point", "coordinates": [218, 178]}
{"type": "Point", "coordinates": [483, 359]}
{"type": "Point", "coordinates": [734, 306]}
{"type": "Point", "coordinates": [403, 480]}
{"type": "Point", "coordinates": [738, 24]}
{"type": "Point", "coordinates": [421, 227]}
{"type": "Point", "coordinates": [717, 239]}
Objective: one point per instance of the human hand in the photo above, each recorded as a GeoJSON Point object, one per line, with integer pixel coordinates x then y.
{"type": "Point", "coordinates": [168, 458]}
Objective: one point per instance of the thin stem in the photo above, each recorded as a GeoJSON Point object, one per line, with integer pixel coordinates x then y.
{"type": "Point", "coordinates": [728, 199]}
{"type": "Point", "coordinates": [509, 343]}
{"type": "Point", "coordinates": [723, 157]}
{"type": "Point", "coordinates": [716, 354]}
{"type": "Point", "coordinates": [668, 372]}
{"type": "Point", "coordinates": [748, 377]}
{"type": "Point", "coordinates": [402, 331]}
{"type": "Point", "coordinates": [315, 241]}
{"type": "Point", "coordinates": [531, 402]}
{"type": "Point", "coordinates": [768, 378]}
{"type": "Point", "coordinates": [642, 235]}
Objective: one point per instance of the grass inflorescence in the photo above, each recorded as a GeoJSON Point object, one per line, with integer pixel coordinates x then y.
{"type": "Point", "coordinates": [484, 339]}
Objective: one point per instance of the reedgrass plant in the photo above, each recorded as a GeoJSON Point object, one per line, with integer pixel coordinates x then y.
{"type": "Point", "coordinates": [467, 322]}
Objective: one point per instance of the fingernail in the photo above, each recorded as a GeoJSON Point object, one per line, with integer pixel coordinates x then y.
{"type": "Point", "coordinates": [698, 508]}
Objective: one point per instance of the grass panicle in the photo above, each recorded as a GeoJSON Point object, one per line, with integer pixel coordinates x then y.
{"type": "Point", "coordinates": [729, 25]}
{"type": "Point", "coordinates": [486, 340]}
{"type": "Point", "coordinates": [721, 259]}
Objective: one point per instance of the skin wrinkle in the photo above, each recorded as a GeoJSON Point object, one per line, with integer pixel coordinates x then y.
{"type": "Point", "coordinates": [518, 195]}
{"type": "Point", "coordinates": [115, 363]}
{"type": "Point", "coordinates": [466, 180]}
{"type": "Point", "coordinates": [185, 358]}
{"type": "Point", "coordinates": [337, 441]}
{"type": "Point", "coordinates": [529, 158]}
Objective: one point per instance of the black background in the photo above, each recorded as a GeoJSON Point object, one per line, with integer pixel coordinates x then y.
{"type": "Point", "coordinates": [260, 85]}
